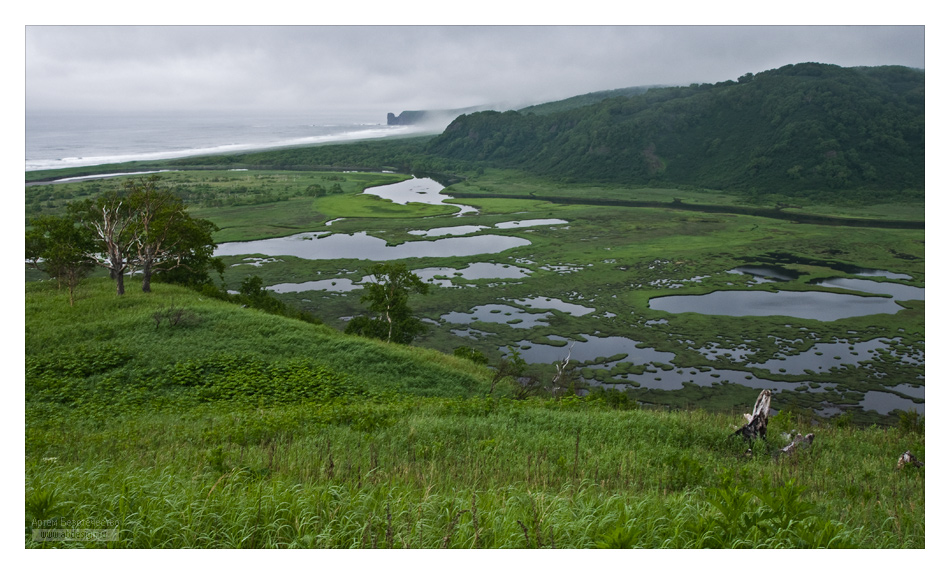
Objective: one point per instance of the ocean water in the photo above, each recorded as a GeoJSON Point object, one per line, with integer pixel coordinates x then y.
{"type": "Point", "coordinates": [60, 139]}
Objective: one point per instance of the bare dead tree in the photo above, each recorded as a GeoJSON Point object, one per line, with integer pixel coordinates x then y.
{"type": "Point", "coordinates": [110, 220]}
{"type": "Point", "coordinates": [563, 376]}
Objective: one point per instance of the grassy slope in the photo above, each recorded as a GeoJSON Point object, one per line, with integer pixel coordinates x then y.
{"type": "Point", "coordinates": [101, 320]}
{"type": "Point", "coordinates": [425, 467]}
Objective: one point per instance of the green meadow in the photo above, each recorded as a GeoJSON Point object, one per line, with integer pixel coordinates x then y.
{"type": "Point", "coordinates": [238, 429]}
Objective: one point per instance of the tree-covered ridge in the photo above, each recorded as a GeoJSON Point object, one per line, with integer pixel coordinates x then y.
{"type": "Point", "coordinates": [794, 129]}
{"type": "Point", "coordinates": [583, 100]}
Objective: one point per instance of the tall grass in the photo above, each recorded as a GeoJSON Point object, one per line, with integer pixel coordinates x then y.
{"type": "Point", "coordinates": [165, 435]}
{"type": "Point", "coordinates": [472, 473]}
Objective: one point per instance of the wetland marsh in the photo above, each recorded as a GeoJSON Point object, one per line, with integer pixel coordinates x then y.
{"type": "Point", "coordinates": [674, 307]}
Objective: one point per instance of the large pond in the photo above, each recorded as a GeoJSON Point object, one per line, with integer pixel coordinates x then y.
{"type": "Point", "coordinates": [496, 313]}
{"type": "Point", "coordinates": [364, 246]}
{"type": "Point", "coordinates": [467, 229]}
{"type": "Point", "coordinates": [800, 304]}
{"type": "Point", "coordinates": [819, 305]}
{"type": "Point", "coordinates": [323, 245]}
{"type": "Point", "coordinates": [898, 291]}
{"type": "Point", "coordinates": [417, 190]}
{"type": "Point", "coordinates": [441, 276]}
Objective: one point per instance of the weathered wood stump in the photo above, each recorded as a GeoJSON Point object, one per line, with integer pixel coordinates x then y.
{"type": "Point", "coordinates": [908, 458]}
{"type": "Point", "coordinates": [758, 421]}
{"type": "Point", "coordinates": [798, 441]}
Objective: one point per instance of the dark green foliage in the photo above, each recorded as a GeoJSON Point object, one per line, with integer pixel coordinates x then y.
{"type": "Point", "coordinates": [253, 381]}
{"type": "Point", "coordinates": [911, 421]}
{"type": "Point", "coordinates": [583, 100]}
{"type": "Point", "coordinates": [253, 294]}
{"type": "Point", "coordinates": [404, 155]}
{"type": "Point", "coordinates": [472, 354]}
{"type": "Point", "coordinates": [82, 361]}
{"type": "Point", "coordinates": [58, 246]}
{"type": "Point", "coordinates": [70, 377]}
{"type": "Point", "coordinates": [175, 317]}
{"type": "Point", "coordinates": [792, 130]}
{"type": "Point", "coordinates": [612, 397]}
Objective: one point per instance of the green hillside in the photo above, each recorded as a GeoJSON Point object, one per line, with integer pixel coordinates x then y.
{"type": "Point", "coordinates": [129, 341]}
{"type": "Point", "coordinates": [230, 428]}
{"type": "Point", "coordinates": [799, 130]}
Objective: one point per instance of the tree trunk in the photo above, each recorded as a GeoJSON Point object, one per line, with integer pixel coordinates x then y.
{"type": "Point", "coordinates": [147, 277]}
{"type": "Point", "coordinates": [120, 284]}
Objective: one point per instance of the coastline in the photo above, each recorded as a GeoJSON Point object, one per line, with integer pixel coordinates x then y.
{"type": "Point", "coordinates": [75, 140]}
{"type": "Point", "coordinates": [342, 137]}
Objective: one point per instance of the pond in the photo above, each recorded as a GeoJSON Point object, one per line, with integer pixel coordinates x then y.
{"type": "Point", "coordinates": [467, 229]}
{"type": "Point", "coordinates": [340, 285]}
{"type": "Point", "coordinates": [765, 274]}
{"type": "Point", "coordinates": [529, 223]}
{"type": "Point", "coordinates": [601, 353]}
{"type": "Point", "coordinates": [454, 230]}
{"type": "Point", "coordinates": [591, 348]}
{"type": "Point", "coordinates": [898, 291]}
{"type": "Point", "coordinates": [659, 373]}
{"type": "Point", "coordinates": [557, 304]}
{"type": "Point", "coordinates": [823, 306]}
{"type": "Point", "coordinates": [884, 403]}
{"type": "Point", "coordinates": [417, 190]}
{"type": "Point", "coordinates": [800, 304]}
{"type": "Point", "coordinates": [823, 358]}
{"type": "Point", "coordinates": [496, 313]}
{"type": "Point", "coordinates": [442, 276]}
{"type": "Point", "coordinates": [361, 245]}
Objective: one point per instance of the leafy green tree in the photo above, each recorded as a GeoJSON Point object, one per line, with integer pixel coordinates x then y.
{"type": "Point", "coordinates": [388, 298]}
{"type": "Point", "coordinates": [59, 247]}
{"type": "Point", "coordinates": [254, 294]}
{"type": "Point", "coordinates": [316, 190]}
{"type": "Point", "coordinates": [165, 237]}
{"type": "Point", "coordinates": [143, 227]}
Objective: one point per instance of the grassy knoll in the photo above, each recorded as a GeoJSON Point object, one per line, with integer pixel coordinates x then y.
{"type": "Point", "coordinates": [234, 428]}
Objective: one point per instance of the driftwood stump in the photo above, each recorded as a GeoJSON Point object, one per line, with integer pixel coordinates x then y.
{"type": "Point", "coordinates": [798, 441]}
{"type": "Point", "coordinates": [908, 458]}
{"type": "Point", "coordinates": [758, 421]}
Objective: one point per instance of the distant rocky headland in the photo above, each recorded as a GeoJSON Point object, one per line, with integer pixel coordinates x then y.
{"type": "Point", "coordinates": [416, 117]}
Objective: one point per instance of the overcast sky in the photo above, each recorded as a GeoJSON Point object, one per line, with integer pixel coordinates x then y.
{"type": "Point", "coordinates": [394, 68]}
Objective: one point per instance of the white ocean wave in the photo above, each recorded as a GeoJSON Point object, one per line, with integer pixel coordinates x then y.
{"type": "Point", "coordinates": [62, 145]}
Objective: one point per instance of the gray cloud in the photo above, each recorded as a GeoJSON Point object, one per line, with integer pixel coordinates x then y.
{"type": "Point", "coordinates": [392, 68]}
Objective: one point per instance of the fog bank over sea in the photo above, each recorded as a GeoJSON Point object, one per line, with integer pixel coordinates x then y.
{"type": "Point", "coordinates": [62, 139]}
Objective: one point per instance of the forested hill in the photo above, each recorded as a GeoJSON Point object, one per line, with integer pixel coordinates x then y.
{"type": "Point", "coordinates": [802, 128]}
{"type": "Point", "coordinates": [583, 100]}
